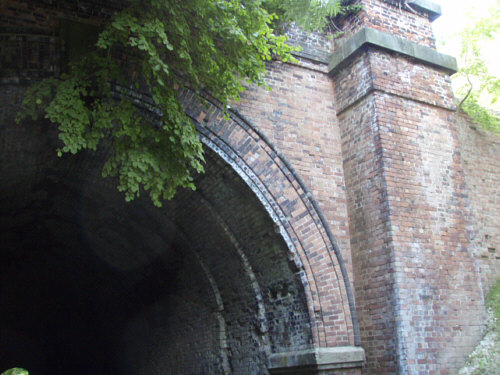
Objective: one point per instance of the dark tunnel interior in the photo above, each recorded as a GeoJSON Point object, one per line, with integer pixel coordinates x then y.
{"type": "Point", "coordinates": [93, 285]}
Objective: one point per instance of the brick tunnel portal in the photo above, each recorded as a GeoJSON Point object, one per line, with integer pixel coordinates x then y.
{"type": "Point", "coordinates": [93, 285]}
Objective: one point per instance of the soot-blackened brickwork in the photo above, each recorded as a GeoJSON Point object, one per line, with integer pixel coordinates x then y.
{"type": "Point", "coordinates": [340, 208]}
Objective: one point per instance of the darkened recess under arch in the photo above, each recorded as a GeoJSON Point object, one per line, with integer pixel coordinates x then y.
{"type": "Point", "coordinates": [92, 285]}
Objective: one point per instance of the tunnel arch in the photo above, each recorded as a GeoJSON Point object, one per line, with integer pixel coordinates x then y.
{"type": "Point", "coordinates": [305, 306]}
{"type": "Point", "coordinates": [288, 201]}
{"type": "Point", "coordinates": [252, 155]}
{"type": "Point", "coordinates": [132, 281]}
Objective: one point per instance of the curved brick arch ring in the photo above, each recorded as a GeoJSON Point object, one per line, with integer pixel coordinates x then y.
{"type": "Point", "coordinates": [294, 211]}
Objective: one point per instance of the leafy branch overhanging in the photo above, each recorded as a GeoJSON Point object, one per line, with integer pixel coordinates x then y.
{"type": "Point", "coordinates": [212, 45]}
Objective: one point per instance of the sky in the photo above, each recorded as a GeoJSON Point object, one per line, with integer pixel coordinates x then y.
{"type": "Point", "coordinates": [455, 15]}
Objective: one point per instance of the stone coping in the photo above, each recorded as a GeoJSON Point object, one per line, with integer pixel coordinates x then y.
{"type": "Point", "coordinates": [379, 39]}
{"type": "Point", "coordinates": [316, 359]}
{"type": "Point", "coordinates": [430, 8]}
{"type": "Point", "coordinates": [426, 6]}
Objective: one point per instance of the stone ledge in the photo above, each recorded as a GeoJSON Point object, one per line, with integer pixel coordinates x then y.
{"type": "Point", "coordinates": [430, 8]}
{"type": "Point", "coordinates": [316, 359]}
{"type": "Point", "coordinates": [312, 55]}
{"type": "Point", "coordinates": [426, 6]}
{"type": "Point", "coordinates": [379, 39]}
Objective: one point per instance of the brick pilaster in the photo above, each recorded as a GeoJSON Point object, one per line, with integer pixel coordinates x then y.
{"type": "Point", "coordinates": [416, 279]}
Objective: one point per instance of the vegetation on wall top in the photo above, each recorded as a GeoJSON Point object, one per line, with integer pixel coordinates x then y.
{"type": "Point", "coordinates": [478, 87]}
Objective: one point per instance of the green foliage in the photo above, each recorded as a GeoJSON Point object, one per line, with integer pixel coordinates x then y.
{"type": "Point", "coordinates": [202, 44]}
{"type": "Point", "coordinates": [493, 303]}
{"type": "Point", "coordinates": [16, 371]}
{"type": "Point", "coordinates": [156, 157]}
{"type": "Point", "coordinates": [485, 359]}
{"type": "Point", "coordinates": [312, 14]}
{"type": "Point", "coordinates": [480, 89]}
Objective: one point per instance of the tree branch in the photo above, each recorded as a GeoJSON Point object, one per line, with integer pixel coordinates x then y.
{"type": "Point", "coordinates": [466, 95]}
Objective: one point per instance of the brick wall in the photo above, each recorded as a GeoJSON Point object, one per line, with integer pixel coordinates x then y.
{"type": "Point", "coordinates": [435, 271]}
{"type": "Point", "coordinates": [46, 14]}
{"type": "Point", "coordinates": [389, 17]}
{"type": "Point", "coordinates": [480, 153]}
{"type": "Point", "coordinates": [370, 242]}
{"type": "Point", "coordinates": [31, 43]}
{"type": "Point", "coordinates": [298, 114]}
